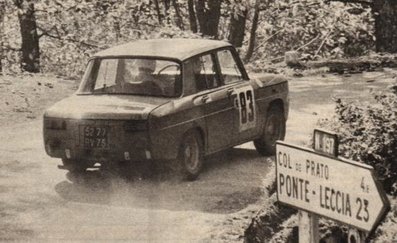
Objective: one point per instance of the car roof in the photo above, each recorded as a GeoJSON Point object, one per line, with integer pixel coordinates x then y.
{"type": "Point", "coordinates": [179, 49]}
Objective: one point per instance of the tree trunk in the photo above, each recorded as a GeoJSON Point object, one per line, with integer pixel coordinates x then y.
{"type": "Point", "coordinates": [157, 6]}
{"type": "Point", "coordinates": [208, 16]}
{"type": "Point", "coordinates": [192, 16]}
{"type": "Point", "coordinates": [237, 28]}
{"type": "Point", "coordinates": [117, 30]}
{"type": "Point", "coordinates": [178, 17]}
{"type": "Point", "coordinates": [254, 27]}
{"type": "Point", "coordinates": [166, 7]}
{"type": "Point", "coordinates": [30, 40]}
{"type": "Point", "coordinates": [385, 12]}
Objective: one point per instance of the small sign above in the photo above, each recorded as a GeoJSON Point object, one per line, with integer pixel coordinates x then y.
{"type": "Point", "coordinates": [325, 142]}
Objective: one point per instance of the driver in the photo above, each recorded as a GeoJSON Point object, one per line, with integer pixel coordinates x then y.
{"type": "Point", "coordinates": [146, 76]}
{"type": "Point", "coordinates": [146, 69]}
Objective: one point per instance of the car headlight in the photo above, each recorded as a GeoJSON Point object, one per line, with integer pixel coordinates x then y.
{"type": "Point", "coordinates": [54, 124]}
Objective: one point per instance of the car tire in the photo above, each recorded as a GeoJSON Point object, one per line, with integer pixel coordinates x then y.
{"type": "Point", "coordinates": [190, 156]}
{"type": "Point", "coordinates": [74, 166]}
{"type": "Point", "coordinates": [273, 130]}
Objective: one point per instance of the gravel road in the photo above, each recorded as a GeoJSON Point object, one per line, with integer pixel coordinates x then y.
{"type": "Point", "coordinates": [39, 202]}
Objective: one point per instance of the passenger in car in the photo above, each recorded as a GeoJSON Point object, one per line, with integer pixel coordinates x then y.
{"type": "Point", "coordinates": [200, 79]}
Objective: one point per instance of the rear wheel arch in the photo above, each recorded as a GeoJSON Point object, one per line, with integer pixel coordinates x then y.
{"type": "Point", "coordinates": [201, 132]}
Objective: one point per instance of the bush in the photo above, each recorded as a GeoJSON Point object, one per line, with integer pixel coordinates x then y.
{"type": "Point", "coordinates": [368, 133]}
{"type": "Point", "coordinates": [315, 28]}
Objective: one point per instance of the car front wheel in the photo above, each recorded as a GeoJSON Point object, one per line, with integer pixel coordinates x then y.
{"type": "Point", "coordinates": [190, 155]}
{"type": "Point", "coordinates": [273, 130]}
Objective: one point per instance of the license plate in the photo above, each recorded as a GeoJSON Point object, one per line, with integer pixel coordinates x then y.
{"type": "Point", "coordinates": [96, 136]}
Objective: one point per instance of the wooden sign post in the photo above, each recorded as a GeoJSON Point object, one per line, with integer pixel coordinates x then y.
{"type": "Point", "coordinates": [317, 182]}
{"type": "Point", "coordinates": [324, 143]}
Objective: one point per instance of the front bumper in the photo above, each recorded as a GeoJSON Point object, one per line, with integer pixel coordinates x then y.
{"type": "Point", "coordinates": [67, 141]}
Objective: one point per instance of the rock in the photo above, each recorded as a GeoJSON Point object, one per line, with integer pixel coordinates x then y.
{"type": "Point", "coordinates": [49, 85]}
{"type": "Point", "coordinates": [292, 59]}
{"type": "Point", "coordinates": [298, 75]}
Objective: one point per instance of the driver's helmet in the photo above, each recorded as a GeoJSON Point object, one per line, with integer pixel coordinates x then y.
{"type": "Point", "coordinates": [146, 65]}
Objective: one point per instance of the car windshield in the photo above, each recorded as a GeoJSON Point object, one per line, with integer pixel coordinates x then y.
{"type": "Point", "coordinates": [136, 76]}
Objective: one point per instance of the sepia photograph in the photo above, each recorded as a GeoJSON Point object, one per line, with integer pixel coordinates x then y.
{"type": "Point", "coordinates": [198, 121]}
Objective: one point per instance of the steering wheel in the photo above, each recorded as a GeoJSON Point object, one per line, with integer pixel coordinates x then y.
{"type": "Point", "coordinates": [168, 66]}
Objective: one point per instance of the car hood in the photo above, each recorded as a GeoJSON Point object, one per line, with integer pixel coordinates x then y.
{"type": "Point", "coordinates": [109, 107]}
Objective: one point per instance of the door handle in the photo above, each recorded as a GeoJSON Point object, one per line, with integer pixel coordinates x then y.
{"type": "Point", "coordinates": [230, 92]}
{"type": "Point", "coordinates": [205, 99]}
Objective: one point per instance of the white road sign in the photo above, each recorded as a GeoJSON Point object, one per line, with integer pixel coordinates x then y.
{"type": "Point", "coordinates": [339, 189]}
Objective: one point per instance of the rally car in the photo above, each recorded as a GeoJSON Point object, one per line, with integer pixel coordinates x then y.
{"type": "Point", "coordinates": [165, 100]}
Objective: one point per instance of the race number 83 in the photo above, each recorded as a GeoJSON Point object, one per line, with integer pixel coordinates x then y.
{"type": "Point", "coordinates": [246, 105]}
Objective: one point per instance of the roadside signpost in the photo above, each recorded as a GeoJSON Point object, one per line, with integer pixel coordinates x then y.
{"type": "Point", "coordinates": [318, 182]}
{"type": "Point", "coordinates": [325, 142]}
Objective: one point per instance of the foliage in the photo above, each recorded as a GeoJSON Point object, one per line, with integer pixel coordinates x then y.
{"type": "Point", "coordinates": [368, 133]}
{"type": "Point", "coordinates": [71, 30]}
{"type": "Point", "coordinates": [315, 29]}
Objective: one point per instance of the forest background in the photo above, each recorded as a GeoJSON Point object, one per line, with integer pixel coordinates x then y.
{"type": "Point", "coordinates": [58, 36]}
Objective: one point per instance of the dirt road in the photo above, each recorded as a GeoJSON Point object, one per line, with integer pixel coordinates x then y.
{"type": "Point", "coordinates": [39, 203]}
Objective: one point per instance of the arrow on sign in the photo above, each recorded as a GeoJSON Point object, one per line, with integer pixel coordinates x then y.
{"type": "Point", "coordinates": [339, 189]}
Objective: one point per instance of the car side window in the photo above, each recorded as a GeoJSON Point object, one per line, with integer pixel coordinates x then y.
{"type": "Point", "coordinates": [209, 69]}
{"type": "Point", "coordinates": [204, 70]}
{"type": "Point", "coordinates": [229, 68]}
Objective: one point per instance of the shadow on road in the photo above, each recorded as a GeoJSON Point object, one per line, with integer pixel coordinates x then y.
{"type": "Point", "coordinates": [230, 181]}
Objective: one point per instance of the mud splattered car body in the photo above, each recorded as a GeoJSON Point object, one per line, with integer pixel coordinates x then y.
{"type": "Point", "coordinates": [194, 100]}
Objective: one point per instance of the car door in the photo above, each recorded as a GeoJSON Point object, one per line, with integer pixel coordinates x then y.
{"type": "Point", "coordinates": [215, 101]}
{"type": "Point", "coordinates": [243, 95]}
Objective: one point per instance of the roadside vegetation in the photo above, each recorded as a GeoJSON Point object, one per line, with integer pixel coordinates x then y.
{"type": "Point", "coordinates": [368, 133]}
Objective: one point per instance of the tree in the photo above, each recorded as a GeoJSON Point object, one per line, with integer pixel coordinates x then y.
{"type": "Point", "coordinates": [157, 6]}
{"type": "Point", "coordinates": [238, 17]}
{"type": "Point", "coordinates": [208, 13]}
{"type": "Point", "coordinates": [254, 27]}
{"type": "Point", "coordinates": [178, 17]}
{"type": "Point", "coordinates": [30, 61]}
{"type": "Point", "coordinates": [385, 14]}
{"type": "Point", "coordinates": [192, 16]}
